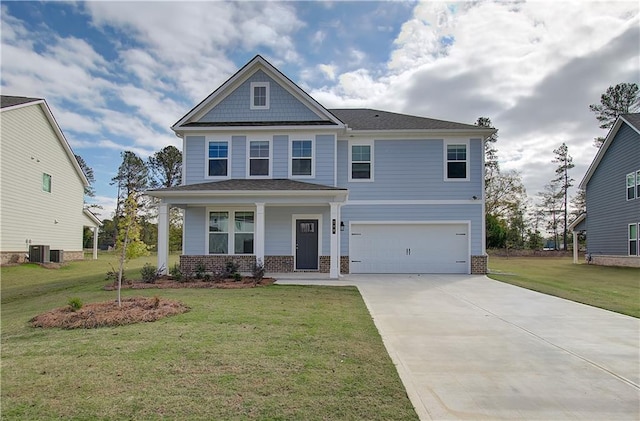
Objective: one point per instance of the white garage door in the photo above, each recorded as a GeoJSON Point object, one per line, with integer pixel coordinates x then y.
{"type": "Point", "coordinates": [409, 248]}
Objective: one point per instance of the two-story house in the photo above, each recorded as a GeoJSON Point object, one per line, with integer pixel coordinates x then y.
{"type": "Point", "coordinates": [272, 176]}
{"type": "Point", "coordinates": [612, 189]}
{"type": "Point", "coordinates": [41, 186]}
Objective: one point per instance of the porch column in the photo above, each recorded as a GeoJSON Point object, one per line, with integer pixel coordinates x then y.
{"type": "Point", "coordinates": [575, 247]}
{"type": "Point", "coordinates": [334, 268]}
{"type": "Point", "coordinates": [163, 237]}
{"type": "Point", "coordinates": [259, 234]}
{"type": "Point", "coordinates": [95, 243]}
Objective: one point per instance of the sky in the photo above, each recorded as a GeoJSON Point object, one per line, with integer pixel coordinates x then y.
{"type": "Point", "coordinates": [118, 74]}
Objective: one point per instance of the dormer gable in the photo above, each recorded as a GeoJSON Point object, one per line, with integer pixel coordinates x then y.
{"type": "Point", "coordinates": [257, 95]}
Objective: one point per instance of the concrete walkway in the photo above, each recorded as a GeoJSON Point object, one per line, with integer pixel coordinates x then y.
{"type": "Point", "coordinates": [468, 347]}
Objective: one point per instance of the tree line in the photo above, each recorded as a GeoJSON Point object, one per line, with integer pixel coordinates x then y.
{"type": "Point", "coordinates": [513, 220]}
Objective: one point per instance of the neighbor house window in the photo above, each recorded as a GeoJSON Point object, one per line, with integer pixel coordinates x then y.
{"type": "Point", "coordinates": [633, 239]}
{"type": "Point", "coordinates": [361, 162]}
{"type": "Point", "coordinates": [638, 184]}
{"type": "Point", "coordinates": [631, 186]}
{"type": "Point", "coordinates": [457, 165]}
{"type": "Point", "coordinates": [237, 236]}
{"type": "Point", "coordinates": [218, 232]}
{"type": "Point", "coordinates": [301, 158]}
{"type": "Point", "coordinates": [259, 95]}
{"type": "Point", "coordinates": [218, 159]}
{"type": "Point", "coordinates": [46, 182]}
{"type": "Point", "coordinates": [259, 154]}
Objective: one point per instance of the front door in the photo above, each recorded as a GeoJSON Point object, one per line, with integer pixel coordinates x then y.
{"type": "Point", "coordinates": [307, 244]}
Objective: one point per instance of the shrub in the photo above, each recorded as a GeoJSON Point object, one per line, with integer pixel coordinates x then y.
{"type": "Point", "coordinates": [176, 273]}
{"type": "Point", "coordinates": [231, 267]}
{"type": "Point", "coordinates": [150, 274]}
{"type": "Point", "coordinates": [112, 276]}
{"type": "Point", "coordinates": [200, 270]}
{"type": "Point", "coordinates": [237, 277]}
{"type": "Point", "coordinates": [258, 272]}
{"type": "Point", "coordinates": [75, 304]}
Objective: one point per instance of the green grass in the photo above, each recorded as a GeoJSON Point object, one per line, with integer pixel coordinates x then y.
{"type": "Point", "coordinates": [612, 288]}
{"type": "Point", "coordinates": [269, 353]}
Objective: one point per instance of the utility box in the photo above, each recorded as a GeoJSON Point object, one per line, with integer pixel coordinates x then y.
{"type": "Point", "coordinates": [39, 254]}
{"type": "Point", "coordinates": [57, 256]}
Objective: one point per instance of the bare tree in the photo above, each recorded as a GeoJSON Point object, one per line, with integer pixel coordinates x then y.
{"type": "Point", "coordinates": [565, 163]}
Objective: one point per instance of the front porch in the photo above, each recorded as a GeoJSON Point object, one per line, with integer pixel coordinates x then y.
{"type": "Point", "coordinates": [285, 225]}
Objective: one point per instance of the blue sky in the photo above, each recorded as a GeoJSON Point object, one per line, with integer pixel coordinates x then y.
{"type": "Point", "coordinates": [117, 75]}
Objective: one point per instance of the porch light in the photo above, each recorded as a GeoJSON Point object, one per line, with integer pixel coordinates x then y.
{"type": "Point", "coordinates": [341, 225]}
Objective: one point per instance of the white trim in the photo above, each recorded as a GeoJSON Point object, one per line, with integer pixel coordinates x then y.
{"type": "Point", "coordinates": [363, 142]}
{"type": "Point", "coordinates": [212, 138]}
{"type": "Point", "coordinates": [466, 223]}
{"type": "Point", "coordinates": [302, 137]}
{"type": "Point", "coordinates": [248, 157]}
{"type": "Point", "coordinates": [412, 202]}
{"type": "Point", "coordinates": [231, 228]}
{"type": "Point", "coordinates": [254, 85]}
{"type": "Point", "coordinates": [295, 217]}
{"type": "Point", "coordinates": [446, 143]}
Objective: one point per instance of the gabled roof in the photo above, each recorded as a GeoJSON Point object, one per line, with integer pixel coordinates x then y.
{"type": "Point", "coordinates": [257, 63]}
{"type": "Point", "coordinates": [10, 103]}
{"type": "Point", "coordinates": [633, 121]}
{"type": "Point", "coordinates": [368, 119]}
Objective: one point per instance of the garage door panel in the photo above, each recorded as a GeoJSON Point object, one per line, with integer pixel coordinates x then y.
{"type": "Point", "coordinates": [409, 248]}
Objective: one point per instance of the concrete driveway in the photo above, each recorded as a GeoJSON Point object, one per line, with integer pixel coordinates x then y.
{"type": "Point", "coordinates": [468, 347]}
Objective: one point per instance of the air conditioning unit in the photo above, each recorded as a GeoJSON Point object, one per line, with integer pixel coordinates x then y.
{"type": "Point", "coordinates": [57, 256]}
{"type": "Point", "coordinates": [39, 254]}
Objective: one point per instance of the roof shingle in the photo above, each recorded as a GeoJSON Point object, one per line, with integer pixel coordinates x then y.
{"type": "Point", "coordinates": [369, 119]}
{"type": "Point", "coordinates": [276, 184]}
{"type": "Point", "coordinates": [10, 101]}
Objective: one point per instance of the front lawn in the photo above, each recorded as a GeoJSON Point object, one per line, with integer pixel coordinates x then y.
{"type": "Point", "coordinates": [612, 288]}
{"type": "Point", "coordinates": [276, 352]}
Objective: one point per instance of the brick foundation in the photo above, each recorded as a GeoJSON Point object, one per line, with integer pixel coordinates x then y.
{"type": "Point", "coordinates": [626, 261]}
{"type": "Point", "coordinates": [344, 264]}
{"type": "Point", "coordinates": [325, 264]}
{"type": "Point", "coordinates": [17, 257]}
{"type": "Point", "coordinates": [215, 262]}
{"type": "Point", "coordinates": [278, 264]}
{"type": "Point", "coordinates": [479, 265]}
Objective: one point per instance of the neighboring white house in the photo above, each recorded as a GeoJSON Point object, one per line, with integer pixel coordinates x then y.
{"type": "Point", "coordinates": [41, 184]}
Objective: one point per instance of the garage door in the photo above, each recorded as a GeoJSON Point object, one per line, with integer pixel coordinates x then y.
{"type": "Point", "coordinates": [409, 248]}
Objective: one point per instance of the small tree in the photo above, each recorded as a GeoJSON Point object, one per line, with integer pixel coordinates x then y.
{"type": "Point", "coordinates": [129, 244]}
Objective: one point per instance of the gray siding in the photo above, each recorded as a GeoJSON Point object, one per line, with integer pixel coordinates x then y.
{"type": "Point", "coordinates": [471, 213]}
{"type": "Point", "coordinates": [325, 152]}
{"type": "Point", "coordinates": [195, 230]}
{"type": "Point", "coordinates": [280, 156]}
{"type": "Point", "coordinates": [608, 211]}
{"type": "Point", "coordinates": [194, 153]}
{"type": "Point", "coordinates": [283, 105]}
{"type": "Point", "coordinates": [238, 157]}
{"type": "Point", "coordinates": [278, 230]}
{"type": "Point", "coordinates": [411, 170]}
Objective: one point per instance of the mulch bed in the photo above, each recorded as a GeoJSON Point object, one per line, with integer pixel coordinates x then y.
{"type": "Point", "coordinates": [132, 310]}
{"type": "Point", "coordinates": [168, 282]}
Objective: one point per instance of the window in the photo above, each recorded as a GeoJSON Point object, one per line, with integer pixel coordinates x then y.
{"type": "Point", "coordinates": [631, 186]}
{"type": "Point", "coordinates": [638, 184]}
{"type": "Point", "coordinates": [633, 240]}
{"type": "Point", "coordinates": [259, 95]}
{"type": "Point", "coordinates": [302, 158]}
{"type": "Point", "coordinates": [457, 161]}
{"type": "Point", "coordinates": [243, 237]}
{"type": "Point", "coordinates": [218, 159]}
{"type": "Point", "coordinates": [218, 232]}
{"type": "Point", "coordinates": [259, 152]}
{"type": "Point", "coordinates": [361, 162]}
{"type": "Point", "coordinates": [237, 236]}
{"type": "Point", "coordinates": [46, 182]}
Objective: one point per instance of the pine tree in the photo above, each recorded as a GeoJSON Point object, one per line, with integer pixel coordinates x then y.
{"type": "Point", "coordinates": [620, 99]}
{"type": "Point", "coordinates": [565, 163]}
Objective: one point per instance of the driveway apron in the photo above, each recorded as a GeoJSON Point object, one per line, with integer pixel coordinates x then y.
{"type": "Point", "coordinates": [468, 347]}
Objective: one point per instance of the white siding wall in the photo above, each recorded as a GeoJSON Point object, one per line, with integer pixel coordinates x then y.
{"type": "Point", "coordinates": [28, 148]}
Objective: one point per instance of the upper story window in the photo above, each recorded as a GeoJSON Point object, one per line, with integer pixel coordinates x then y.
{"type": "Point", "coordinates": [259, 95]}
{"type": "Point", "coordinates": [46, 182]}
{"type": "Point", "coordinates": [301, 158]}
{"type": "Point", "coordinates": [361, 161]}
{"type": "Point", "coordinates": [218, 159]}
{"type": "Point", "coordinates": [259, 158]}
{"type": "Point", "coordinates": [633, 185]}
{"type": "Point", "coordinates": [457, 164]}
